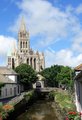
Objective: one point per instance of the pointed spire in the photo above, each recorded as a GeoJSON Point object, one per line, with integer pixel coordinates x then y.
{"type": "Point", "coordinates": [22, 26]}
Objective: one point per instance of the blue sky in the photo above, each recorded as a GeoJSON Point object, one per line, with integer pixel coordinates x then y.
{"type": "Point", "coordinates": [55, 27]}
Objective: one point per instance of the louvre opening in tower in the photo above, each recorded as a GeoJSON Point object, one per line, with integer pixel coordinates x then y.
{"type": "Point", "coordinates": [23, 53]}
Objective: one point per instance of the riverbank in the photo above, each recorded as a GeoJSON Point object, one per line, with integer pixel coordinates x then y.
{"type": "Point", "coordinates": [62, 103]}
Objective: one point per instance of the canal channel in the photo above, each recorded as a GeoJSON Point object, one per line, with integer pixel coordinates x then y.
{"type": "Point", "coordinates": [41, 110]}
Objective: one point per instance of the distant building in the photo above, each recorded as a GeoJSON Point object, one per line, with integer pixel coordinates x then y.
{"type": "Point", "coordinates": [11, 88]}
{"type": "Point", "coordinates": [24, 54]}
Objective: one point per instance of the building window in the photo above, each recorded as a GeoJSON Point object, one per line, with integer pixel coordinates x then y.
{"type": "Point", "coordinates": [6, 92]}
{"type": "Point", "coordinates": [31, 62]}
{"type": "Point", "coordinates": [14, 91]}
{"type": "Point", "coordinates": [35, 63]}
{"type": "Point", "coordinates": [26, 44]}
{"type": "Point", "coordinates": [28, 61]}
{"type": "Point", "coordinates": [13, 64]}
{"type": "Point", "coordinates": [10, 91]}
{"type": "Point", "coordinates": [20, 44]}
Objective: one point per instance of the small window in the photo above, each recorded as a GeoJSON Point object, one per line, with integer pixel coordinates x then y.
{"type": "Point", "coordinates": [10, 91]}
{"type": "Point", "coordinates": [6, 92]}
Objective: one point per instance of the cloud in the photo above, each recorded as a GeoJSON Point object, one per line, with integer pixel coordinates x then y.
{"type": "Point", "coordinates": [63, 57]}
{"type": "Point", "coordinates": [50, 24]}
{"type": "Point", "coordinates": [79, 9]}
{"type": "Point", "coordinates": [77, 42]}
{"type": "Point", "coordinates": [6, 46]}
{"type": "Point", "coordinates": [44, 19]}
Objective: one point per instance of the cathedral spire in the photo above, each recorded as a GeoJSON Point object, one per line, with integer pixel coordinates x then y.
{"type": "Point", "coordinates": [22, 25]}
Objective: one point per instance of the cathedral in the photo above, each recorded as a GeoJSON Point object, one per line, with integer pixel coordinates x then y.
{"type": "Point", "coordinates": [23, 53]}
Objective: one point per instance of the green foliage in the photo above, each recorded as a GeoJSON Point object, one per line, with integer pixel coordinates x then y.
{"type": "Point", "coordinates": [66, 77]}
{"type": "Point", "coordinates": [52, 95]}
{"type": "Point", "coordinates": [64, 100]}
{"type": "Point", "coordinates": [30, 95]}
{"type": "Point", "coordinates": [51, 75]}
{"type": "Point", "coordinates": [27, 74]}
{"type": "Point", "coordinates": [57, 74]}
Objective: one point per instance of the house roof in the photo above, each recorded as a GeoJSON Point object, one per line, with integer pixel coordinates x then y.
{"type": "Point", "coordinates": [5, 70]}
{"type": "Point", "coordinates": [4, 79]}
{"type": "Point", "coordinates": [78, 68]}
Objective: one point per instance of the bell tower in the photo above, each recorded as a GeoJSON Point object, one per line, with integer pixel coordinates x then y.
{"type": "Point", "coordinates": [23, 38]}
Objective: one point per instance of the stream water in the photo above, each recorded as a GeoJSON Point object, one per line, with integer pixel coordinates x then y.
{"type": "Point", "coordinates": [41, 110]}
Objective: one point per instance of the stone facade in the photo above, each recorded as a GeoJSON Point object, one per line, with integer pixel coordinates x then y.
{"type": "Point", "coordinates": [24, 54]}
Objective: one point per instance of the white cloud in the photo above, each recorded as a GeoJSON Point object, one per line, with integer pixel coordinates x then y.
{"type": "Point", "coordinates": [53, 24]}
{"type": "Point", "coordinates": [6, 46]}
{"type": "Point", "coordinates": [62, 57]}
{"type": "Point", "coordinates": [49, 21]}
{"type": "Point", "coordinates": [79, 9]}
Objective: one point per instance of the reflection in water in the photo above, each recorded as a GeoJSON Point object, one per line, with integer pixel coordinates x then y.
{"type": "Point", "coordinates": [42, 110]}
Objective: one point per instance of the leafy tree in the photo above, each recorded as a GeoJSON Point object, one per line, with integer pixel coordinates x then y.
{"type": "Point", "coordinates": [66, 76]}
{"type": "Point", "coordinates": [58, 74]}
{"type": "Point", "coordinates": [27, 75]}
{"type": "Point", "coordinates": [50, 74]}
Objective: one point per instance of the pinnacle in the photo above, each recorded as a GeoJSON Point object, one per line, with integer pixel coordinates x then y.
{"type": "Point", "coordinates": [23, 25]}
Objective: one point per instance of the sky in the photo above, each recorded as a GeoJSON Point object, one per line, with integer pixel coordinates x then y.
{"type": "Point", "coordinates": [55, 28]}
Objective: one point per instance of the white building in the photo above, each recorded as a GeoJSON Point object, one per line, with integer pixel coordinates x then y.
{"type": "Point", "coordinates": [24, 54]}
{"type": "Point", "coordinates": [11, 88]}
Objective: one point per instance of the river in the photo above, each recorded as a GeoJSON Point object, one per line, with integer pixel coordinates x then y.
{"type": "Point", "coordinates": [41, 110]}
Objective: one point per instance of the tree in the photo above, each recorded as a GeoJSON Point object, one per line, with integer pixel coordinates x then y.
{"type": "Point", "coordinates": [50, 74]}
{"type": "Point", "coordinates": [27, 75]}
{"type": "Point", "coordinates": [66, 76]}
{"type": "Point", "coordinates": [58, 74]}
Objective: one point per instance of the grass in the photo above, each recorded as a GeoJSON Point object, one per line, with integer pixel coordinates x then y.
{"type": "Point", "coordinates": [64, 100]}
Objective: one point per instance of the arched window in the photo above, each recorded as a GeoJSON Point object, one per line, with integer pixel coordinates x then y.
{"type": "Point", "coordinates": [31, 62]}
{"type": "Point", "coordinates": [28, 61]}
{"type": "Point", "coordinates": [20, 44]}
{"type": "Point", "coordinates": [13, 64]}
{"type": "Point", "coordinates": [26, 44]}
{"type": "Point", "coordinates": [35, 63]}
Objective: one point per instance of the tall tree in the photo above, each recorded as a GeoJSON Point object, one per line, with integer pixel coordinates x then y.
{"type": "Point", "coordinates": [50, 74]}
{"type": "Point", "coordinates": [66, 76]}
{"type": "Point", "coordinates": [27, 75]}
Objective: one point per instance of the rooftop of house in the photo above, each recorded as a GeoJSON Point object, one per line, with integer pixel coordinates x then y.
{"type": "Point", "coordinates": [78, 68]}
{"type": "Point", "coordinates": [6, 71]}
{"type": "Point", "coordinates": [4, 79]}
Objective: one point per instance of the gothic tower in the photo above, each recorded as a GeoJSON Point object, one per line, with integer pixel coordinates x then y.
{"type": "Point", "coordinates": [23, 53]}
{"type": "Point", "coordinates": [23, 38]}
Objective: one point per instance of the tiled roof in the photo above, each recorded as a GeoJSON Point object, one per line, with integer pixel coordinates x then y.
{"type": "Point", "coordinates": [5, 70]}
{"type": "Point", "coordinates": [78, 68]}
{"type": "Point", "coordinates": [4, 79]}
